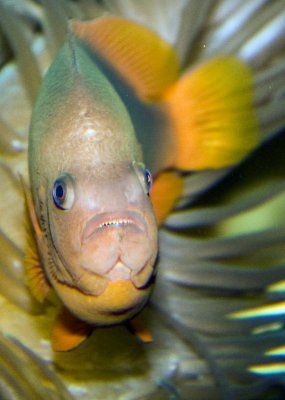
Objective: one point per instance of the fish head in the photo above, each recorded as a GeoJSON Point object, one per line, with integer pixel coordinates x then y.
{"type": "Point", "coordinates": [103, 238]}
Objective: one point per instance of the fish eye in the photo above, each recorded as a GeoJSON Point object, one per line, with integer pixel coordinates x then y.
{"type": "Point", "coordinates": [144, 175]}
{"type": "Point", "coordinates": [63, 192]}
{"type": "Point", "coordinates": [148, 180]}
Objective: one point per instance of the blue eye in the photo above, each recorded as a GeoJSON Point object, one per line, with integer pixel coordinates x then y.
{"type": "Point", "coordinates": [63, 192]}
{"type": "Point", "coordinates": [148, 180]}
{"type": "Point", "coordinates": [144, 176]}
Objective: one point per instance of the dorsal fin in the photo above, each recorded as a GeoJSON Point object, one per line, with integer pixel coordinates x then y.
{"type": "Point", "coordinates": [142, 58]}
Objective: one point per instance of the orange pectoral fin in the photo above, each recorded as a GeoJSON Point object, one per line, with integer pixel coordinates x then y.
{"type": "Point", "coordinates": [212, 116]}
{"type": "Point", "coordinates": [69, 332]}
{"type": "Point", "coordinates": [137, 328]}
{"type": "Point", "coordinates": [33, 266]}
{"type": "Point", "coordinates": [143, 59]}
{"type": "Point", "coordinates": [165, 193]}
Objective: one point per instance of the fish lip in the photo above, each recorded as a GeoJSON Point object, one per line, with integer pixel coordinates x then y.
{"type": "Point", "coordinates": [109, 220]}
{"type": "Point", "coordinates": [119, 263]}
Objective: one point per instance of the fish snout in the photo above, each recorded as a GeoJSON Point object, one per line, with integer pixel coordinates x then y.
{"type": "Point", "coordinates": [119, 246]}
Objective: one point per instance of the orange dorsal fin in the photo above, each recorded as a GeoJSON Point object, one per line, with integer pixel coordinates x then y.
{"type": "Point", "coordinates": [142, 58]}
{"type": "Point", "coordinates": [69, 332]}
{"type": "Point", "coordinates": [34, 272]}
{"type": "Point", "coordinates": [139, 330]}
{"type": "Point", "coordinates": [165, 193]}
{"type": "Point", "coordinates": [212, 116]}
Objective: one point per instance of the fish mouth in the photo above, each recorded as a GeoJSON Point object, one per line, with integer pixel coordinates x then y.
{"type": "Point", "coordinates": [117, 247]}
{"type": "Point", "coordinates": [131, 221]}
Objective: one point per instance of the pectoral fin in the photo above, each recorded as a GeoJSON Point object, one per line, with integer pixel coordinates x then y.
{"type": "Point", "coordinates": [34, 271]}
{"type": "Point", "coordinates": [212, 116]}
{"type": "Point", "coordinates": [137, 328]}
{"type": "Point", "coordinates": [69, 332]}
{"type": "Point", "coordinates": [143, 59]}
{"type": "Point", "coordinates": [165, 193]}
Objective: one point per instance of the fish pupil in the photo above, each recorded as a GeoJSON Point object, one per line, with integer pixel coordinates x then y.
{"type": "Point", "coordinates": [59, 192]}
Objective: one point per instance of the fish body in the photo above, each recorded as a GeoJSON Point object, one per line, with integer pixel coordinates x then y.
{"type": "Point", "coordinates": [91, 215]}
{"type": "Point", "coordinates": [90, 190]}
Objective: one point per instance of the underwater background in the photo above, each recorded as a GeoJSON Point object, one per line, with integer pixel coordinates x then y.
{"type": "Point", "coordinates": [217, 311]}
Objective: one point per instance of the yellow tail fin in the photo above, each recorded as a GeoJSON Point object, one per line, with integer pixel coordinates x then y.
{"type": "Point", "coordinates": [212, 116]}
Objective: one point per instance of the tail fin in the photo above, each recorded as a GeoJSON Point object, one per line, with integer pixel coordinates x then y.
{"type": "Point", "coordinates": [211, 111]}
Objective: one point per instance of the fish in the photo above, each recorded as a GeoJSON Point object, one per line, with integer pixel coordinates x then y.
{"type": "Point", "coordinates": [101, 181]}
{"type": "Point", "coordinates": [202, 291]}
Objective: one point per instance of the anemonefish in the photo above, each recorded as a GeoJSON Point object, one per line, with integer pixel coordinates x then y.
{"type": "Point", "coordinates": [112, 103]}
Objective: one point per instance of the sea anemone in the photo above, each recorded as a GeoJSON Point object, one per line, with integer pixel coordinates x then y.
{"type": "Point", "coordinates": [217, 311]}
